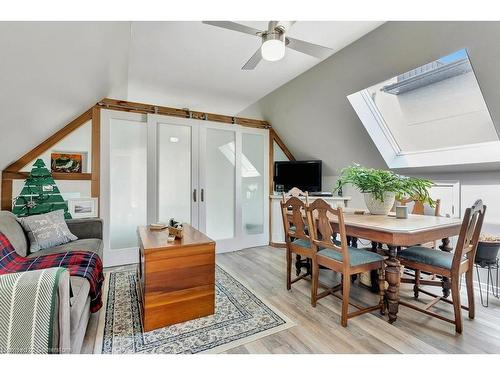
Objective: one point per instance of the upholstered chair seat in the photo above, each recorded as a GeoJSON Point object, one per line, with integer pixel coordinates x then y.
{"type": "Point", "coordinates": [357, 257]}
{"type": "Point", "coordinates": [425, 255]}
{"type": "Point", "coordinates": [302, 243]}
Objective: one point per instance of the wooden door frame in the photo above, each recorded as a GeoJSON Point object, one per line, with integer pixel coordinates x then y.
{"type": "Point", "coordinates": [274, 137]}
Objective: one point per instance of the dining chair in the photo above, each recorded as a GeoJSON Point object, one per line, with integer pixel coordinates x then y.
{"type": "Point", "coordinates": [296, 235]}
{"type": "Point", "coordinates": [449, 265]}
{"type": "Point", "coordinates": [420, 208]}
{"type": "Point", "coordinates": [338, 256]}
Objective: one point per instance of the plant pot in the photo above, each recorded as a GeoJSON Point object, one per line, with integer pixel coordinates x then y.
{"type": "Point", "coordinates": [376, 206]}
{"type": "Point", "coordinates": [487, 253]}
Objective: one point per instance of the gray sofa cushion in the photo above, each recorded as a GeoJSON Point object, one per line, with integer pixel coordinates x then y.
{"type": "Point", "coordinates": [89, 244]}
{"type": "Point", "coordinates": [14, 232]}
{"type": "Point", "coordinates": [85, 228]}
{"type": "Point", "coordinates": [46, 230]}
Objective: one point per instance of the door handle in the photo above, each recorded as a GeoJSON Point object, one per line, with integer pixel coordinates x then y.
{"type": "Point", "coordinates": [194, 195]}
{"type": "Point", "coordinates": [202, 195]}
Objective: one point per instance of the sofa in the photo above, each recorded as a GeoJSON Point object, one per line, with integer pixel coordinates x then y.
{"type": "Point", "coordinates": [73, 312]}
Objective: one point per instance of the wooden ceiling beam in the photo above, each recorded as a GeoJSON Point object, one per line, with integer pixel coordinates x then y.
{"type": "Point", "coordinates": [122, 105]}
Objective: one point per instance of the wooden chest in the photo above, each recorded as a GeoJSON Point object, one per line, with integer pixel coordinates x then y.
{"type": "Point", "coordinates": [176, 279]}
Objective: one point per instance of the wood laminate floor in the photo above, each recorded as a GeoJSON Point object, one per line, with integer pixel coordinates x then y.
{"type": "Point", "coordinates": [318, 330]}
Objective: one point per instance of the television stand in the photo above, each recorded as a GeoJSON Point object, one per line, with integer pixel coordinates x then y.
{"type": "Point", "coordinates": [321, 194]}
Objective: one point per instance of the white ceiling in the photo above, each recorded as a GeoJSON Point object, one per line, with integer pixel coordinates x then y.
{"type": "Point", "coordinates": [190, 64]}
{"type": "Point", "coordinates": [50, 72]}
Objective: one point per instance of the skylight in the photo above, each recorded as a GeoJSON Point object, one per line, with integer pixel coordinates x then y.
{"type": "Point", "coordinates": [435, 107]}
{"type": "Point", "coordinates": [247, 168]}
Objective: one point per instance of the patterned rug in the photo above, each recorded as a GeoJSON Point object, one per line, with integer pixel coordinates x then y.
{"type": "Point", "coordinates": [240, 317]}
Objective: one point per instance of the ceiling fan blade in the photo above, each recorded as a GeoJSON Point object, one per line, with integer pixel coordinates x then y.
{"type": "Point", "coordinates": [233, 26]}
{"type": "Point", "coordinates": [309, 48]}
{"type": "Point", "coordinates": [253, 62]}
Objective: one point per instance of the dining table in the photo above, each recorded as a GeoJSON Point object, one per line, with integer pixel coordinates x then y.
{"type": "Point", "coordinates": [397, 234]}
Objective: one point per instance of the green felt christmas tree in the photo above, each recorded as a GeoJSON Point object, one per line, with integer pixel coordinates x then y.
{"type": "Point", "coordinates": [40, 194]}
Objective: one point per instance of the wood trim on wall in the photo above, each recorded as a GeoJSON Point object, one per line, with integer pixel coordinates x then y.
{"type": "Point", "coordinates": [95, 188]}
{"type": "Point", "coordinates": [49, 142]}
{"type": "Point", "coordinates": [12, 172]}
{"type": "Point", "coordinates": [274, 137]}
{"type": "Point", "coordinates": [282, 145]}
{"type": "Point", "coordinates": [6, 203]}
{"type": "Point", "coordinates": [123, 105]}
{"type": "Point", "coordinates": [7, 175]}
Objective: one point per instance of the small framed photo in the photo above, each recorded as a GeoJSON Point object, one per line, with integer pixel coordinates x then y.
{"type": "Point", "coordinates": [83, 207]}
{"type": "Point", "coordinates": [64, 162]}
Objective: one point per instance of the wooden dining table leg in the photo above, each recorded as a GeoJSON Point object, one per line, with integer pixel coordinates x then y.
{"type": "Point", "coordinates": [375, 287]}
{"type": "Point", "coordinates": [393, 278]}
{"type": "Point", "coordinates": [445, 246]}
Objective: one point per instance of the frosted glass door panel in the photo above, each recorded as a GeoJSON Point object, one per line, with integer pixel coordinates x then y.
{"type": "Point", "coordinates": [252, 183]}
{"type": "Point", "coordinates": [174, 173]}
{"type": "Point", "coordinates": [219, 187]}
{"type": "Point", "coordinates": [128, 153]}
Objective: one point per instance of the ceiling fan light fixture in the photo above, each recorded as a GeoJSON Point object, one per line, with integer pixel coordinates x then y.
{"type": "Point", "coordinates": [273, 46]}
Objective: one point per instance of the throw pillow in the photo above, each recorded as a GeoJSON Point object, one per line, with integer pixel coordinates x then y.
{"type": "Point", "coordinates": [46, 230]}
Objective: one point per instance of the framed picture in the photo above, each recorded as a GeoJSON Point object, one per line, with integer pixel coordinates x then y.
{"type": "Point", "coordinates": [83, 207]}
{"type": "Point", "coordinates": [66, 162]}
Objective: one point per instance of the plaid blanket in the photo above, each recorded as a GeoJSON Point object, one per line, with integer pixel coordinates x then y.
{"type": "Point", "coordinates": [79, 263]}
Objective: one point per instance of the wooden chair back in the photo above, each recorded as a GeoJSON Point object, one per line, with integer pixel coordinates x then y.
{"type": "Point", "coordinates": [294, 192]}
{"type": "Point", "coordinates": [469, 235]}
{"type": "Point", "coordinates": [419, 207]}
{"type": "Point", "coordinates": [293, 210]}
{"type": "Point", "coordinates": [322, 233]}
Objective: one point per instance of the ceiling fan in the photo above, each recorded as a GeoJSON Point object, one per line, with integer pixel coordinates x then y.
{"type": "Point", "coordinates": [274, 41]}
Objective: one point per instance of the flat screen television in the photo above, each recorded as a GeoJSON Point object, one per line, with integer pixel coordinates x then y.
{"type": "Point", "coordinates": [305, 175]}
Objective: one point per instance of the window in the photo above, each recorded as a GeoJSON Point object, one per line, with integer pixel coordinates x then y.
{"type": "Point", "coordinates": [435, 108]}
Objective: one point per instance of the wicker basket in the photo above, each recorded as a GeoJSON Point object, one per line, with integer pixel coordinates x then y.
{"type": "Point", "coordinates": [177, 232]}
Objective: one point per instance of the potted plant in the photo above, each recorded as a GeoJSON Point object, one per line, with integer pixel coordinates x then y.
{"type": "Point", "coordinates": [487, 250]}
{"type": "Point", "coordinates": [381, 187]}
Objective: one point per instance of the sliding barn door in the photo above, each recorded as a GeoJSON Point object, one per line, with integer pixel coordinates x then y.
{"type": "Point", "coordinates": [234, 185]}
{"type": "Point", "coordinates": [173, 170]}
{"type": "Point", "coordinates": [123, 205]}
{"type": "Point", "coordinates": [153, 168]}
{"type": "Point", "coordinates": [218, 184]}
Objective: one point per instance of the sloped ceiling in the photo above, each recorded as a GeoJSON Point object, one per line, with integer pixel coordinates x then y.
{"type": "Point", "coordinates": [314, 118]}
{"type": "Point", "coordinates": [50, 72]}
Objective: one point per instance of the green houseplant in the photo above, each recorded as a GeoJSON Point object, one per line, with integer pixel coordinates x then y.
{"type": "Point", "coordinates": [381, 187]}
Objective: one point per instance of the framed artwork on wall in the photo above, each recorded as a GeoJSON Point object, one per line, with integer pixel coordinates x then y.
{"type": "Point", "coordinates": [67, 162]}
{"type": "Point", "coordinates": [83, 207]}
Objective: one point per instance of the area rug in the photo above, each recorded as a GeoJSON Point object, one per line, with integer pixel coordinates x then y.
{"type": "Point", "coordinates": [240, 317]}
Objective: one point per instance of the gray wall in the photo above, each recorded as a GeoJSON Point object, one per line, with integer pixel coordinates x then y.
{"type": "Point", "coordinates": [315, 120]}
